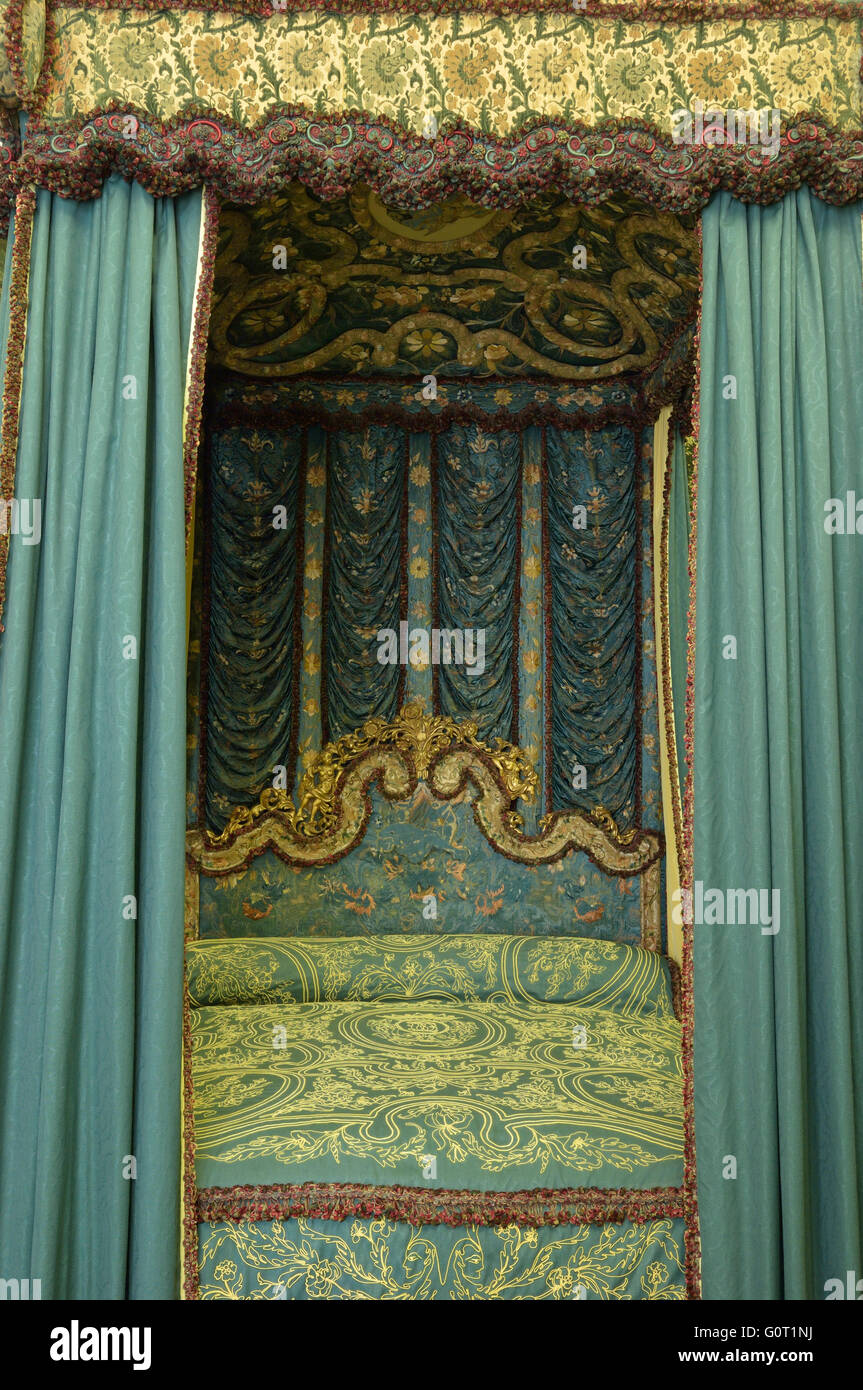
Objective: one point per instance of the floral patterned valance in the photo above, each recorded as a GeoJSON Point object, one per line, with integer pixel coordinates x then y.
{"type": "Point", "coordinates": [493, 72]}
{"type": "Point", "coordinates": [495, 101]}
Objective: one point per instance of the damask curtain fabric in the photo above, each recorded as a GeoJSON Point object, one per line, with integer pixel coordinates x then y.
{"type": "Point", "coordinates": [92, 699]}
{"type": "Point", "coordinates": [778, 747]}
{"type": "Point", "coordinates": [363, 580]}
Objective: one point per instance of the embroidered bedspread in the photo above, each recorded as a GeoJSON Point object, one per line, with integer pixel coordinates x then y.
{"type": "Point", "coordinates": [389, 1260]}
{"type": "Point", "coordinates": [478, 1065]}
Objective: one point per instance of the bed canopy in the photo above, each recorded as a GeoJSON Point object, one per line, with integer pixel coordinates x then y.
{"type": "Point", "coordinates": [334, 335]}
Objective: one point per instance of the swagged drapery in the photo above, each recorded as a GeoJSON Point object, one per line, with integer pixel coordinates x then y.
{"type": "Point", "coordinates": [91, 816]}
{"type": "Point", "coordinates": [593, 583]}
{"type": "Point", "coordinates": [467, 529]}
{"type": "Point", "coordinates": [778, 747]}
{"type": "Point", "coordinates": [255, 493]}
{"type": "Point", "coordinates": [362, 575]}
{"type": "Point", "coordinates": [479, 512]}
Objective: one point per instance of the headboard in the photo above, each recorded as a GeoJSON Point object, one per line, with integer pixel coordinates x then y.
{"type": "Point", "coordinates": [409, 761]}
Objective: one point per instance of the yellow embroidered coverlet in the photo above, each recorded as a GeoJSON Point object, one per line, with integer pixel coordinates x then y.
{"type": "Point", "coordinates": [438, 1082]}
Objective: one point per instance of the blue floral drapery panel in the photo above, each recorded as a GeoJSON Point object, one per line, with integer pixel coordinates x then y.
{"type": "Point", "coordinates": [256, 497]}
{"type": "Point", "coordinates": [363, 584]}
{"type": "Point", "coordinates": [591, 561]}
{"type": "Point", "coordinates": [524, 545]}
{"type": "Point", "coordinates": [478, 486]}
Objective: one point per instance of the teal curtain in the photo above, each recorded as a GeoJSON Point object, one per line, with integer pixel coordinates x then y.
{"type": "Point", "coordinates": [678, 593]}
{"type": "Point", "coordinates": [779, 750]}
{"type": "Point", "coordinates": [91, 760]}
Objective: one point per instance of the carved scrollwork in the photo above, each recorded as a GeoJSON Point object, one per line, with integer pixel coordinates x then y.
{"type": "Point", "coordinates": [418, 736]}
{"type": "Point", "coordinates": [332, 809]}
{"type": "Point", "coordinates": [601, 817]}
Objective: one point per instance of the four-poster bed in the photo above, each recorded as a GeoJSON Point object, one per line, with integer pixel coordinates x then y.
{"type": "Point", "coordinates": [501, 1086]}
{"type": "Point", "coordinates": [405, 324]}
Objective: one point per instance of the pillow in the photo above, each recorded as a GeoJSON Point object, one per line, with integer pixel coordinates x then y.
{"type": "Point", "coordinates": [516, 969]}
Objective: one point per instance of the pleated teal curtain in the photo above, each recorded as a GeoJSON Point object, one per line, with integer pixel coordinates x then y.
{"type": "Point", "coordinates": [678, 593]}
{"type": "Point", "coordinates": [779, 750]}
{"type": "Point", "coordinates": [91, 759]}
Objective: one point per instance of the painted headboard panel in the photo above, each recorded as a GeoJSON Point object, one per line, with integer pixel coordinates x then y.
{"type": "Point", "coordinates": [418, 816]}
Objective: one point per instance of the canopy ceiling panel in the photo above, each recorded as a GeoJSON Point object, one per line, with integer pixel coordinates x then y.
{"type": "Point", "coordinates": [455, 288]}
